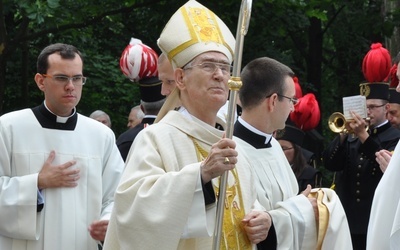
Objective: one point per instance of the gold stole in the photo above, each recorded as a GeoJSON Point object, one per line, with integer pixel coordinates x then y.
{"type": "Point", "coordinates": [323, 211]}
{"type": "Point", "coordinates": [234, 236]}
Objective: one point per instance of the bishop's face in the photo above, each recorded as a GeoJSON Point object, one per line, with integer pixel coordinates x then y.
{"type": "Point", "coordinates": [203, 83]}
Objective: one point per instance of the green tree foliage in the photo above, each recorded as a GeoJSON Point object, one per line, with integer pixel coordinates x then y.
{"type": "Point", "coordinates": [100, 30]}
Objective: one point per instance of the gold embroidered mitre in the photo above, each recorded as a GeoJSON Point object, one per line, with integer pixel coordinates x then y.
{"type": "Point", "coordinates": [193, 30]}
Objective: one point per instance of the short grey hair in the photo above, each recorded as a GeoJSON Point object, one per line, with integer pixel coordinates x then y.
{"type": "Point", "coordinates": [98, 113]}
{"type": "Point", "coordinates": [139, 113]}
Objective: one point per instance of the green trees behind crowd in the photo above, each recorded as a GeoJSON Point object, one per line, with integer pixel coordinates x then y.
{"type": "Point", "coordinates": [323, 41]}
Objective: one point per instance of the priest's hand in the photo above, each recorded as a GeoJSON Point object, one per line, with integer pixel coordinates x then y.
{"type": "Point", "coordinates": [222, 157]}
{"type": "Point", "coordinates": [313, 202]}
{"type": "Point", "coordinates": [98, 230]}
{"type": "Point", "coordinates": [383, 157]}
{"type": "Point", "coordinates": [257, 225]}
{"type": "Point", "coordinates": [51, 176]}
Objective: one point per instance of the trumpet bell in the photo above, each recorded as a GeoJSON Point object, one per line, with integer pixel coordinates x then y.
{"type": "Point", "coordinates": [337, 123]}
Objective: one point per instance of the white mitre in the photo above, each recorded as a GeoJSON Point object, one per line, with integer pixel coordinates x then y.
{"type": "Point", "coordinates": [193, 30]}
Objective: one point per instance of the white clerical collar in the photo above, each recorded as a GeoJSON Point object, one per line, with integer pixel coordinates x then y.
{"type": "Point", "coordinates": [60, 119]}
{"type": "Point", "coordinates": [380, 125]}
{"type": "Point", "coordinates": [149, 116]}
{"type": "Point", "coordinates": [254, 130]}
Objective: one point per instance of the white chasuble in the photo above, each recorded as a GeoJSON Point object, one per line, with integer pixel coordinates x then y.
{"type": "Point", "coordinates": [384, 222]}
{"type": "Point", "coordinates": [159, 203]}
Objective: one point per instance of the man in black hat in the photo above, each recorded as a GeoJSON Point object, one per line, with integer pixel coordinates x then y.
{"type": "Point", "coordinates": [150, 103]}
{"type": "Point", "coordinates": [291, 140]}
{"type": "Point", "coordinates": [394, 109]}
{"type": "Point", "coordinates": [355, 157]}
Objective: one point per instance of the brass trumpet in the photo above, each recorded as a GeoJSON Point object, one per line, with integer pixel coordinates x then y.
{"type": "Point", "coordinates": [337, 123]}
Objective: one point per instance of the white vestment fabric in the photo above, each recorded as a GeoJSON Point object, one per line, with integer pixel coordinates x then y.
{"type": "Point", "coordinates": [63, 222]}
{"type": "Point", "coordinates": [384, 222]}
{"type": "Point", "coordinates": [159, 203]}
{"type": "Point", "coordinates": [292, 214]}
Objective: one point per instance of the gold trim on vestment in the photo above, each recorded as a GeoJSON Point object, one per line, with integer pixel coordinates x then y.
{"type": "Point", "coordinates": [322, 225]}
{"type": "Point", "coordinates": [233, 233]}
{"type": "Point", "coordinates": [203, 27]}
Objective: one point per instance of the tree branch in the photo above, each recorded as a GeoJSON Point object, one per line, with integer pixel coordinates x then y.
{"type": "Point", "coordinates": [332, 19]}
{"type": "Point", "coordinates": [85, 23]}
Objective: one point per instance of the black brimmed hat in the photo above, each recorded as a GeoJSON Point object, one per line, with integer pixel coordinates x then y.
{"type": "Point", "coordinates": [375, 90]}
{"type": "Point", "coordinates": [292, 134]}
{"type": "Point", "coordinates": [150, 89]}
{"type": "Point", "coordinates": [394, 96]}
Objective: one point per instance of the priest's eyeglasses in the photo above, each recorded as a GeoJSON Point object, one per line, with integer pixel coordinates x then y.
{"type": "Point", "coordinates": [293, 100]}
{"type": "Point", "coordinates": [62, 79]}
{"type": "Point", "coordinates": [211, 67]}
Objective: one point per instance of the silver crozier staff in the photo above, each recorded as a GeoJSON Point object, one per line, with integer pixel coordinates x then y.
{"type": "Point", "coordinates": [234, 85]}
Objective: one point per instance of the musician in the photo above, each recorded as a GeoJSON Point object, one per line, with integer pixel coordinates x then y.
{"type": "Point", "coordinates": [145, 74]}
{"type": "Point", "coordinates": [354, 155]}
{"type": "Point", "coordinates": [151, 101]}
{"type": "Point", "coordinates": [291, 140]}
{"type": "Point", "coordinates": [167, 196]}
{"type": "Point", "coordinates": [394, 97]}
{"type": "Point", "coordinates": [393, 114]}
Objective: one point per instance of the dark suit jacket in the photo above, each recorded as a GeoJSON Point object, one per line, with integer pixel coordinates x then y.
{"type": "Point", "coordinates": [358, 172]}
{"type": "Point", "coordinates": [125, 140]}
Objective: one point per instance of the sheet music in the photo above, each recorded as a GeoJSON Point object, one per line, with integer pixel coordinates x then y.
{"type": "Point", "coordinates": [357, 104]}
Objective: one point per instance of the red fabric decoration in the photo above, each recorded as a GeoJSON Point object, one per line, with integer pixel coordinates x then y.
{"type": "Point", "coordinates": [138, 61]}
{"type": "Point", "coordinates": [306, 114]}
{"type": "Point", "coordinates": [376, 64]}
{"type": "Point", "coordinates": [299, 92]}
{"type": "Point", "coordinates": [394, 81]}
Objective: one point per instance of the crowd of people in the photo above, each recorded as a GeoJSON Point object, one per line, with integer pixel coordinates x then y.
{"type": "Point", "coordinates": [73, 185]}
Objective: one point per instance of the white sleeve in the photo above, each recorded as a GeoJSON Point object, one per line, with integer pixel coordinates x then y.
{"type": "Point", "coordinates": [112, 171]}
{"type": "Point", "coordinates": [201, 219]}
